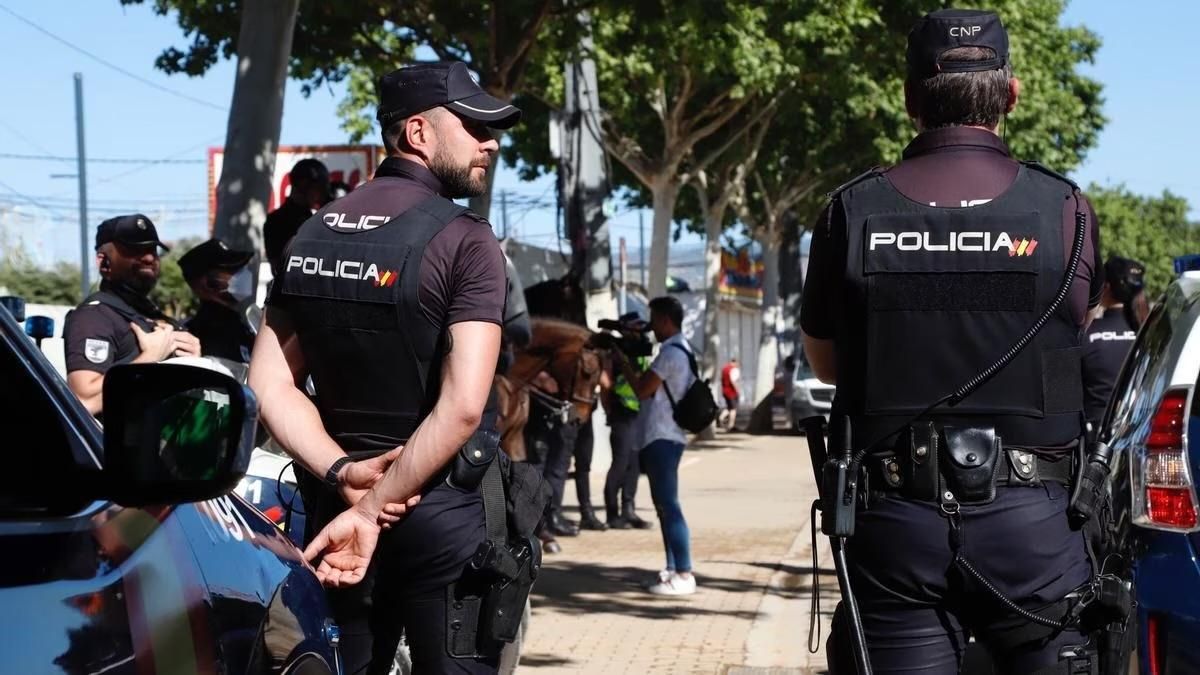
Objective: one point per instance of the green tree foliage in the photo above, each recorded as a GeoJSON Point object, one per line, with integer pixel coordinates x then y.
{"type": "Point", "coordinates": [58, 285]}
{"type": "Point", "coordinates": [1151, 230]}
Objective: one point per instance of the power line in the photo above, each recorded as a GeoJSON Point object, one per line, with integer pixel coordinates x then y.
{"type": "Point", "coordinates": [111, 65]}
{"type": "Point", "coordinates": [32, 143]}
{"type": "Point", "coordinates": [147, 165]}
{"type": "Point", "coordinates": [99, 160]}
{"type": "Point", "coordinates": [22, 195]}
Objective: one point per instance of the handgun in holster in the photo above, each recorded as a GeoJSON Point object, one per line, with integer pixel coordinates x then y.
{"type": "Point", "coordinates": [513, 569]}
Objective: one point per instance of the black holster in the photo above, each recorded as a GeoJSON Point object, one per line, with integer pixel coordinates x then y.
{"type": "Point", "coordinates": [964, 461]}
{"type": "Point", "coordinates": [473, 459]}
{"type": "Point", "coordinates": [513, 569]}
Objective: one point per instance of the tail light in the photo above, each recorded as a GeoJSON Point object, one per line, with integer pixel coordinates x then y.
{"type": "Point", "coordinates": [1164, 497]}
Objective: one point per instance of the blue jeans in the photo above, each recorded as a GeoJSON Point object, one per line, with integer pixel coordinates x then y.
{"type": "Point", "coordinates": [660, 460]}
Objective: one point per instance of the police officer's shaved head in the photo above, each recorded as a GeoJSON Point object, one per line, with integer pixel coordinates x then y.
{"type": "Point", "coordinates": [958, 70]}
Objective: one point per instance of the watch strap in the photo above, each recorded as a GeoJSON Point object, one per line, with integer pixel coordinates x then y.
{"type": "Point", "coordinates": [332, 474]}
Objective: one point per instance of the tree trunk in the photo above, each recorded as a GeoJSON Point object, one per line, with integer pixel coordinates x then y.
{"type": "Point", "coordinates": [768, 342]}
{"type": "Point", "coordinates": [665, 193]}
{"type": "Point", "coordinates": [710, 365]}
{"type": "Point", "coordinates": [264, 48]}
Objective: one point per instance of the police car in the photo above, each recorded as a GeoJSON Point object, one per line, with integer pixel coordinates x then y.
{"type": "Point", "coordinates": [1153, 423]}
{"type": "Point", "coordinates": [124, 550]}
{"type": "Point", "coordinates": [809, 396]}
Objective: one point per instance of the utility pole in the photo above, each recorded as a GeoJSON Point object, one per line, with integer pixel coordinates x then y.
{"type": "Point", "coordinates": [504, 213]}
{"type": "Point", "coordinates": [81, 155]}
{"type": "Point", "coordinates": [642, 244]}
{"type": "Point", "coordinates": [586, 185]}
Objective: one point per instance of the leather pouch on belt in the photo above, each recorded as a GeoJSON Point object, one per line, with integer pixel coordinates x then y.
{"type": "Point", "coordinates": [973, 458]}
{"type": "Point", "coordinates": [473, 459]}
{"type": "Point", "coordinates": [921, 463]}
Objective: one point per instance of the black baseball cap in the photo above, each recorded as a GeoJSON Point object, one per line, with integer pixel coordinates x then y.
{"type": "Point", "coordinates": [134, 230]}
{"type": "Point", "coordinates": [309, 169]}
{"type": "Point", "coordinates": [946, 29]}
{"type": "Point", "coordinates": [418, 88]}
{"type": "Point", "coordinates": [211, 255]}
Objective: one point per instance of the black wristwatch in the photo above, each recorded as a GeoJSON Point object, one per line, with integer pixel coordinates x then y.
{"type": "Point", "coordinates": [332, 474]}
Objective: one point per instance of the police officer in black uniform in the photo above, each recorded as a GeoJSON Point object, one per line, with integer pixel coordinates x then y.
{"type": "Point", "coordinates": [119, 323]}
{"type": "Point", "coordinates": [921, 276]}
{"type": "Point", "coordinates": [311, 190]}
{"type": "Point", "coordinates": [1111, 335]}
{"type": "Point", "coordinates": [219, 277]}
{"type": "Point", "coordinates": [395, 297]}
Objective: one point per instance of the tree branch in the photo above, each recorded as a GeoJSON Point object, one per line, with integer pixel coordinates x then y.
{"type": "Point", "coordinates": [627, 151]}
{"type": "Point", "coordinates": [523, 45]}
{"type": "Point", "coordinates": [681, 100]}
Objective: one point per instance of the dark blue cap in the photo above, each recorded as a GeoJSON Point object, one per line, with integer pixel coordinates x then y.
{"type": "Point", "coordinates": [938, 32]}
{"type": "Point", "coordinates": [134, 229]}
{"type": "Point", "coordinates": [415, 89]}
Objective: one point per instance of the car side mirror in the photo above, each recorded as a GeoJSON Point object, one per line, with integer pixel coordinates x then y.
{"type": "Point", "coordinates": [174, 433]}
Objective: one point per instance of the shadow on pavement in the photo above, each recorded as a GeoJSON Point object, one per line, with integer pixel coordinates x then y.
{"type": "Point", "coordinates": [544, 661]}
{"type": "Point", "coordinates": [578, 588]}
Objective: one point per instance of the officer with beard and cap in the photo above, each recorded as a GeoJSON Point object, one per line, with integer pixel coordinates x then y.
{"type": "Point", "coordinates": [392, 300]}
{"type": "Point", "coordinates": [1112, 334]}
{"type": "Point", "coordinates": [119, 323]}
{"type": "Point", "coordinates": [221, 281]}
{"type": "Point", "coordinates": [920, 277]}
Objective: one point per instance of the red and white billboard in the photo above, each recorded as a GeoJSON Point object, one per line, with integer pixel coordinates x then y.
{"type": "Point", "coordinates": [349, 164]}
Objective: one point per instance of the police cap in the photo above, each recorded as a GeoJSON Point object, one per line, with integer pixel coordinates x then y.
{"type": "Point", "coordinates": [1126, 277]}
{"type": "Point", "coordinates": [134, 230]}
{"type": "Point", "coordinates": [938, 32]}
{"type": "Point", "coordinates": [418, 88]}
{"type": "Point", "coordinates": [211, 255]}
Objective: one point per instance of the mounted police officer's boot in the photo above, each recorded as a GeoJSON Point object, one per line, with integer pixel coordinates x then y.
{"type": "Point", "coordinates": [559, 526]}
{"type": "Point", "coordinates": [587, 514]}
{"type": "Point", "coordinates": [615, 521]}
{"type": "Point", "coordinates": [629, 514]}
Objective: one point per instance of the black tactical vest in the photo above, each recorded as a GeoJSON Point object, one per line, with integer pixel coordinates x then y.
{"type": "Point", "coordinates": [369, 348]}
{"type": "Point", "coordinates": [935, 295]}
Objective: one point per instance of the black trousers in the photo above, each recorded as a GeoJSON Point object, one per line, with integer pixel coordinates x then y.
{"type": "Point", "coordinates": [405, 590]}
{"type": "Point", "coordinates": [917, 607]}
{"type": "Point", "coordinates": [623, 473]}
{"type": "Point", "coordinates": [585, 446]}
{"type": "Point", "coordinates": [560, 448]}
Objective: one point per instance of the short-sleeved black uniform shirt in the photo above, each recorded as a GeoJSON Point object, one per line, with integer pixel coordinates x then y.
{"type": "Point", "coordinates": [1105, 347]}
{"type": "Point", "coordinates": [222, 332]}
{"type": "Point", "coordinates": [954, 166]}
{"type": "Point", "coordinates": [281, 225]}
{"type": "Point", "coordinates": [461, 279]}
{"type": "Point", "coordinates": [96, 334]}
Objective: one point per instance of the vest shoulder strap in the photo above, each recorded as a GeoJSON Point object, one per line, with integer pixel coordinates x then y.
{"type": "Point", "coordinates": [1043, 169]}
{"type": "Point", "coordinates": [869, 173]}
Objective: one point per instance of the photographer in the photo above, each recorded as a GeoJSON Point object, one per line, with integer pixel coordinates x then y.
{"type": "Point", "coordinates": [621, 406]}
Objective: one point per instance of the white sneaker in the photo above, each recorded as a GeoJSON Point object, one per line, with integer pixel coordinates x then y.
{"type": "Point", "coordinates": [675, 585]}
{"type": "Point", "coordinates": [662, 577]}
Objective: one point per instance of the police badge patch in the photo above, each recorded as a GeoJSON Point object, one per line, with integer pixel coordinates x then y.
{"type": "Point", "coordinates": [96, 351]}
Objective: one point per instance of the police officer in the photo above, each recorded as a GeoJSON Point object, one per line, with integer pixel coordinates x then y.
{"type": "Point", "coordinates": [220, 279]}
{"type": "Point", "coordinates": [921, 276]}
{"type": "Point", "coordinates": [1111, 335]}
{"type": "Point", "coordinates": [395, 295]}
{"type": "Point", "coordinates": [621, 406]}
{"type": "Point", "coordinates": [119, 323]}
{"type": "Point", "coordinates": [311, 190]}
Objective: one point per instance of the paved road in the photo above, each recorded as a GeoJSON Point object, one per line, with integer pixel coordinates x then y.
{"type": "Point", "coordinates": [747, 501]}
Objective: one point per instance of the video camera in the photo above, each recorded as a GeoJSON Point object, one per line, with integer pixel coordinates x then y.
{"type": "Point", "coordinates": [633, 340]}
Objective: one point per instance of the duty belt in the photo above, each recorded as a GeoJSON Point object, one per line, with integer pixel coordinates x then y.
{"type": "Point", "coordinates": [1020, 468]}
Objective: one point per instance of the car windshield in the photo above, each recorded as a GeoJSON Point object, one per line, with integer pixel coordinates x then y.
{"type": "Point", "coordinates": [41, 473]}
{"type": "Point", "coordinates": [803, 370]}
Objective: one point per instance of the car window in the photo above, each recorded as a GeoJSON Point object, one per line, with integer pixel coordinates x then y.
{"type": "Point", "coordinates": [1149, 349]}
{"type": "Point", "coordinates": [40, 467]}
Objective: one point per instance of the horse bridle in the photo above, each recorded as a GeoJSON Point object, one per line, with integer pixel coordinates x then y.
{"type": "Point", "coordinates": [546, 396]}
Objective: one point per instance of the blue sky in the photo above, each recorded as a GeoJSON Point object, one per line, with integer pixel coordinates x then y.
{"type": "Point", "coordinates": [1148, 144]}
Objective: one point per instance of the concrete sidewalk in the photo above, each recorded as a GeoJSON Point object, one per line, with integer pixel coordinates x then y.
{"type": "Point", "coordinates": [747, 501]}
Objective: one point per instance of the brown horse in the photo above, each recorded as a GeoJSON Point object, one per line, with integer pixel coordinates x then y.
{"type": "Point", "coordinates": [573, 359]}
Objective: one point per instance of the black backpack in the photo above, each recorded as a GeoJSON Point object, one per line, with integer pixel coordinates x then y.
{"type": "Point", "coordinates": [696, 409]}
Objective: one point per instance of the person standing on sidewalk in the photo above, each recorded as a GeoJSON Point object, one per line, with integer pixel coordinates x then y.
{"type": "Point", "coordinates": [662, 439]}
{"type": "Point", "coordinates": [621, 408]}
{"type": "Point", "coordinates": [731, 375]}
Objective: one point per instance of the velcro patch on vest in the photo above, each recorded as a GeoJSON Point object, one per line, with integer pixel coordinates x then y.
{"type": "Point", "coordinates": [365, 272]}
{"type": "Point", "coordinates": [974, 292]}
{"type": "Point", "coordinates": [951, 240]}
